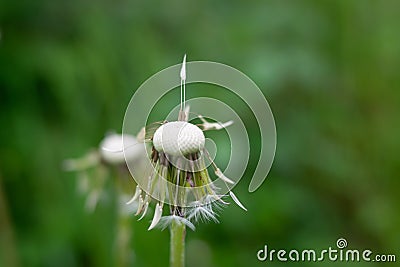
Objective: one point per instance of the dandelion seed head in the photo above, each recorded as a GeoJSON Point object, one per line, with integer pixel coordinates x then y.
{"type": "Point", "coordinates": [178, 138]}
{"type": "Point", "coordinates": [112, 149]}
{"type": "Point", "coordinates": [179, 175]}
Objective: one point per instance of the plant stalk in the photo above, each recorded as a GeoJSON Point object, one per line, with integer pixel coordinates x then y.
{"type": "Point", "coordinates": [177, 249]}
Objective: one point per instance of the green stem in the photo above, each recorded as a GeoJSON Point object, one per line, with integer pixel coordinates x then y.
{"type": "Point", "coordinates": [124, 233]}
{"type": "Point", "coordinates": [8, 251]}
{"type": "Point", "coordinates": [177, 249]}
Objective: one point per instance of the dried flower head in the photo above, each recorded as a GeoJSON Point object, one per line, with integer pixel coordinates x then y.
{"type": "Point", "coordinates": [95, 167]}
{"type": "Point", "coordinates": [179, 175]}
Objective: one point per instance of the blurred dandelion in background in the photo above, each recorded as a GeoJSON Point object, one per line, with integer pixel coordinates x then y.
{"type": "Point", "coordinates": [93, 170]}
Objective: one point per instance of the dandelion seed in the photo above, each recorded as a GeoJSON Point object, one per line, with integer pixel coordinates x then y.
{"type": "Point", "coordinates": [183, 82]}
{"type": "Point", "coordinates": [233, 196]}
{"type": "Point", "coordinates": [140, 205]}
{"type": "Point", "coordinates": [202, 213]}
{"type": "Point", "coordinates": [223, 177]}
{"type": "Point", "coordinates": [146, 206]}
{"type": "Point", "coordinates": [157, 216]}
{"type": "Point", "coordinates": [135, 196]}
{"type": "Point", "coordinates": [183, 69]}
{"type": "Point", "coordinates": [166, 221]}
{"type": "Point", "coordinates": [213, 125]}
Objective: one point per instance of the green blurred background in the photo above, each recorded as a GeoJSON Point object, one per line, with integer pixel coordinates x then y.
{"type": "Point", "coordinates": [329, 69]}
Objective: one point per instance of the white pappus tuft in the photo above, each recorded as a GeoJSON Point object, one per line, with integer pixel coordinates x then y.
{"type": "Point", "coordinates": [167, 220]}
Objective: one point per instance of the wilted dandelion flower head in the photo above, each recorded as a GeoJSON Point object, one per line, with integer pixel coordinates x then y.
{"type": "Point", "coordinates": [177, 179]}
{"type": "Point", "coordinates": [95, 167]}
